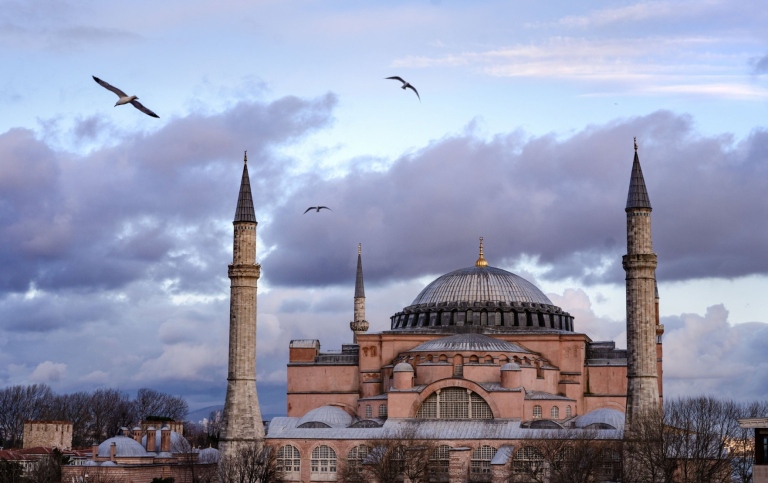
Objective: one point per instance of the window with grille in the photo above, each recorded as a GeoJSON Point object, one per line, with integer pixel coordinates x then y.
{"type": "Point", "coordinates": [454, 403]}
{"type": "Point", "coordinates": [356, 457]}
{"type": "Point", "coordinates": [458, 370]}
{"type": "Point", "coordinates": [528, 461]}
{"type": "Point", "coordinates": [368, 411]}
{"type": "Point", "coordinates": [323, 460]}
{"type": "Point", "coordinates": [610, 464]}
{"type": "Point", "coordinates": [383, 411]}
{"type": "Point", "coordinates": [440, 459]}
{"type": "Point", "coordinates": [480, 463]}
{"type": "Point", "coordinates": [537, 412]}
{"type": "Point", "coordinates": [568, 412]}
{"type": "Point", "coordinates": [554, 412]}
{"type": "Point", "coordinates": [288, 459]}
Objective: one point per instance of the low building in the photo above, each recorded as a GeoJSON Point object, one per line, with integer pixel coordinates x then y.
{"type": "Point", "coordinates": [760, 465]}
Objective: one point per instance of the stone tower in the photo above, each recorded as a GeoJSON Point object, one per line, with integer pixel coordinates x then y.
{"type": "Point", "coordinates": [640, 267]}
{"type": "Point", "coordinates": [242, 423]}
{"type": "Point", "coordinates": [359, 325]}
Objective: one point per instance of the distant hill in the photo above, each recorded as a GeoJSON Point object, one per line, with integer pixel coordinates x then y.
{"type": "Point", "coordinates": [197, 415]}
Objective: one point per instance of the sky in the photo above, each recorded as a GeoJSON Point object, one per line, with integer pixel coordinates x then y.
{"type": "Point", "coordinates": [115, 227]}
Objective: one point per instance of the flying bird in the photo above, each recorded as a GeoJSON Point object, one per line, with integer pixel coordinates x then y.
{"type": "Point", "coordinates": [406, 85]}
{"type": "Point", "coordinates": [125, 98]}
{"type": "Point", "coordinates": [317, 208]}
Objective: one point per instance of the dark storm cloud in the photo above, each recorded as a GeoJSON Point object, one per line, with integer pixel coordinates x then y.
{"type": "Point", "coordinates": [148, 207]}
{"type": "Point", "coordinates": [560, 201]}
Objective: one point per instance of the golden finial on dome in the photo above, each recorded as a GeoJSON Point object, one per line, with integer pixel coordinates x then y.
{"type": "Point", "coordinates": [245, 157]}
{"type": "Point", "coordinates": [481, 262]}
{"type": "Point", "coordinates": [359, 248]}
{"type": "Point", "coordinates": [635, 144]}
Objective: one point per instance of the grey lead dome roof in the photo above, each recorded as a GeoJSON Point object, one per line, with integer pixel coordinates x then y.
{"type": "Point", "coordinates": [481, 284]}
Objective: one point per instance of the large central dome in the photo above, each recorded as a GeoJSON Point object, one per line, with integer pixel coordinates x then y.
{"type": "Point", "coordinates": [482, 299]}
{"type": "Point", "coordinates": [481, 284]}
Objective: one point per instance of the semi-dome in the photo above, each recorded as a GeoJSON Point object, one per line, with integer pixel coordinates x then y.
{"type": "Point", "coordinates": [403, 367]}
{"type": "Point", "coordinates": [467, 342]}
{"type": "Point", "coordinates": [481, 299]}
{"type": "Point", "coordinates": [326, 416]}
{"type": "Point", "coordinates": [603, 418]}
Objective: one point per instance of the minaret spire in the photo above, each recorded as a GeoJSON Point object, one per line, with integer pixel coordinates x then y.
{"type": "Point", "coordinates": [359, 325]}
{"type": "Point", "coordinates": [640, 267]}
{"type": "Point", "coordinates": [242, 423]}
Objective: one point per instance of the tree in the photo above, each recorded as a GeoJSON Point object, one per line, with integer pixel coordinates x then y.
{"type": "Point", "coordinates": [390, 460]}
{"type": "Point", "coordinates": [10, 472]}
{"type": "Point", "coordinates": [149, 402]}
{"type": "Point", "coordinates": [19, 404]}
{"type": "Point", "coordinates": [187, 457]}
{"type": "Point", "coordinates": [252, 463]}
{"type": "Point", "coordinates": [48, 468]}
{"type": "Point", "coordinates": [110, 409]}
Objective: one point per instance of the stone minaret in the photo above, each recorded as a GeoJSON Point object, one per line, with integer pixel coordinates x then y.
{"type": "Point", "coordinates": [640, 266]}
{"type": "Point", "coordinates": [242, 424]}
{"type": "Point", "coordinates": [359, 325]}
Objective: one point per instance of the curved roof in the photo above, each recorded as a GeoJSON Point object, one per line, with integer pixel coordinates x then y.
{"type": "Point", "coordinates": [333, 416]}
{"type": "Point", "coordinates": [468, 342]}
{"type": "Point", "coordinates": [124, 446]}
{"type": "Point", "coordinates": [403, 367]}
{"type": "Point", "coordinates": [511, 366]}
{"type": "Point", "coordinates": [611, 417]}
{"type": "Point", "coordinates": [481, 284]}
{"type": "Point", "coordinates": [208, 455]}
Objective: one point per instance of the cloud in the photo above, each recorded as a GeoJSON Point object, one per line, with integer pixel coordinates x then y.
{"type": "Point", "coordinates": [48, 372]}
{"type": "Point", "coordinates": [707, 355]}
{"type": "Point", "coordinates": [558, 201]}
{"type": "Point", "coordinates": [151, 206]}
{"type": "Point", "coordinates": [760, 65]}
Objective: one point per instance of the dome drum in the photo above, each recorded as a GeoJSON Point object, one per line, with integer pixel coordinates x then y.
{"type": "Point", "coordinates": [504, 317]}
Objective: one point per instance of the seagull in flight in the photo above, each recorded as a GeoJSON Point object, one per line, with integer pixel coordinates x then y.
{"type": "Point", "coordinates": [316, 208]}
{"type": "Point", "coordinates": [406, 85]}
{"type": "Point", "coordinates": [125, 98]}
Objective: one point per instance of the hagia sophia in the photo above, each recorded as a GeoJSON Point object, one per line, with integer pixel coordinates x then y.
{"type": "Point", "coordinates": [480, 363]}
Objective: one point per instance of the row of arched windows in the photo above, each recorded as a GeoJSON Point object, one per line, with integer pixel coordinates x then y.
{"type": "Point", "coordinates": [554, 413]}
{"type": "Point", "coordinates": [382, 411]}
{"type": "Point", "coordinates": [324, 460]}
{"type": "Point", "coordinates": [528, 460]}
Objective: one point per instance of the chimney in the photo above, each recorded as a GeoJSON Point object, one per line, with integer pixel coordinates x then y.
{"type": "Point", "coordinates": [137, 434]}
{"type": "Point", "coordinates": [165, 439]}
{"type": "Point", "coordinates": [94, 451]}
{"type": "Point", "coordinates": [112, 451]}
{"type": "Point", "coordinates": [151, 439]}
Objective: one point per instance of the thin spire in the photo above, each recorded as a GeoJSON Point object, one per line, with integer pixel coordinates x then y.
{"type": "Point", "coordinates": [244, 211]}
{"type": "Point", "coordinates": [638, 195]}
{"type": "Point", "coordinates": [359, 288]}
{"type": "Point", "coordinates": [481, 262]}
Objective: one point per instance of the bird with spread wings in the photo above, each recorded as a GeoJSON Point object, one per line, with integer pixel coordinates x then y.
{"type": "Point", "coordinates": [124, 98]}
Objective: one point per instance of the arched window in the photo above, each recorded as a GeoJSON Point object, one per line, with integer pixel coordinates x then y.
{"type": "Point", "coordinates": [554, 412]}
{"type": "Point", "coordinates": [356, 457]}
{"type": "Point", "coordinates": [568, 411]}
{"type": "Point", "coordinates": [481, 461]}
{"type": "Point", "coordinates": [288, 460]}
{"type": "Point", "coordinates": [383, 411]}
{"type": "Point", "coordinates": [439, 461]}
{"type": "Point", "coordinates": [528, 463]}
{"type": "Point", "coordinates": [368, 411]}
{"type": "Point", "coordinates": [537, 412]}
{"type": "Point", "coordinates": [323, 464]}
{"type": "Point", "coordinates": [454, 403]}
